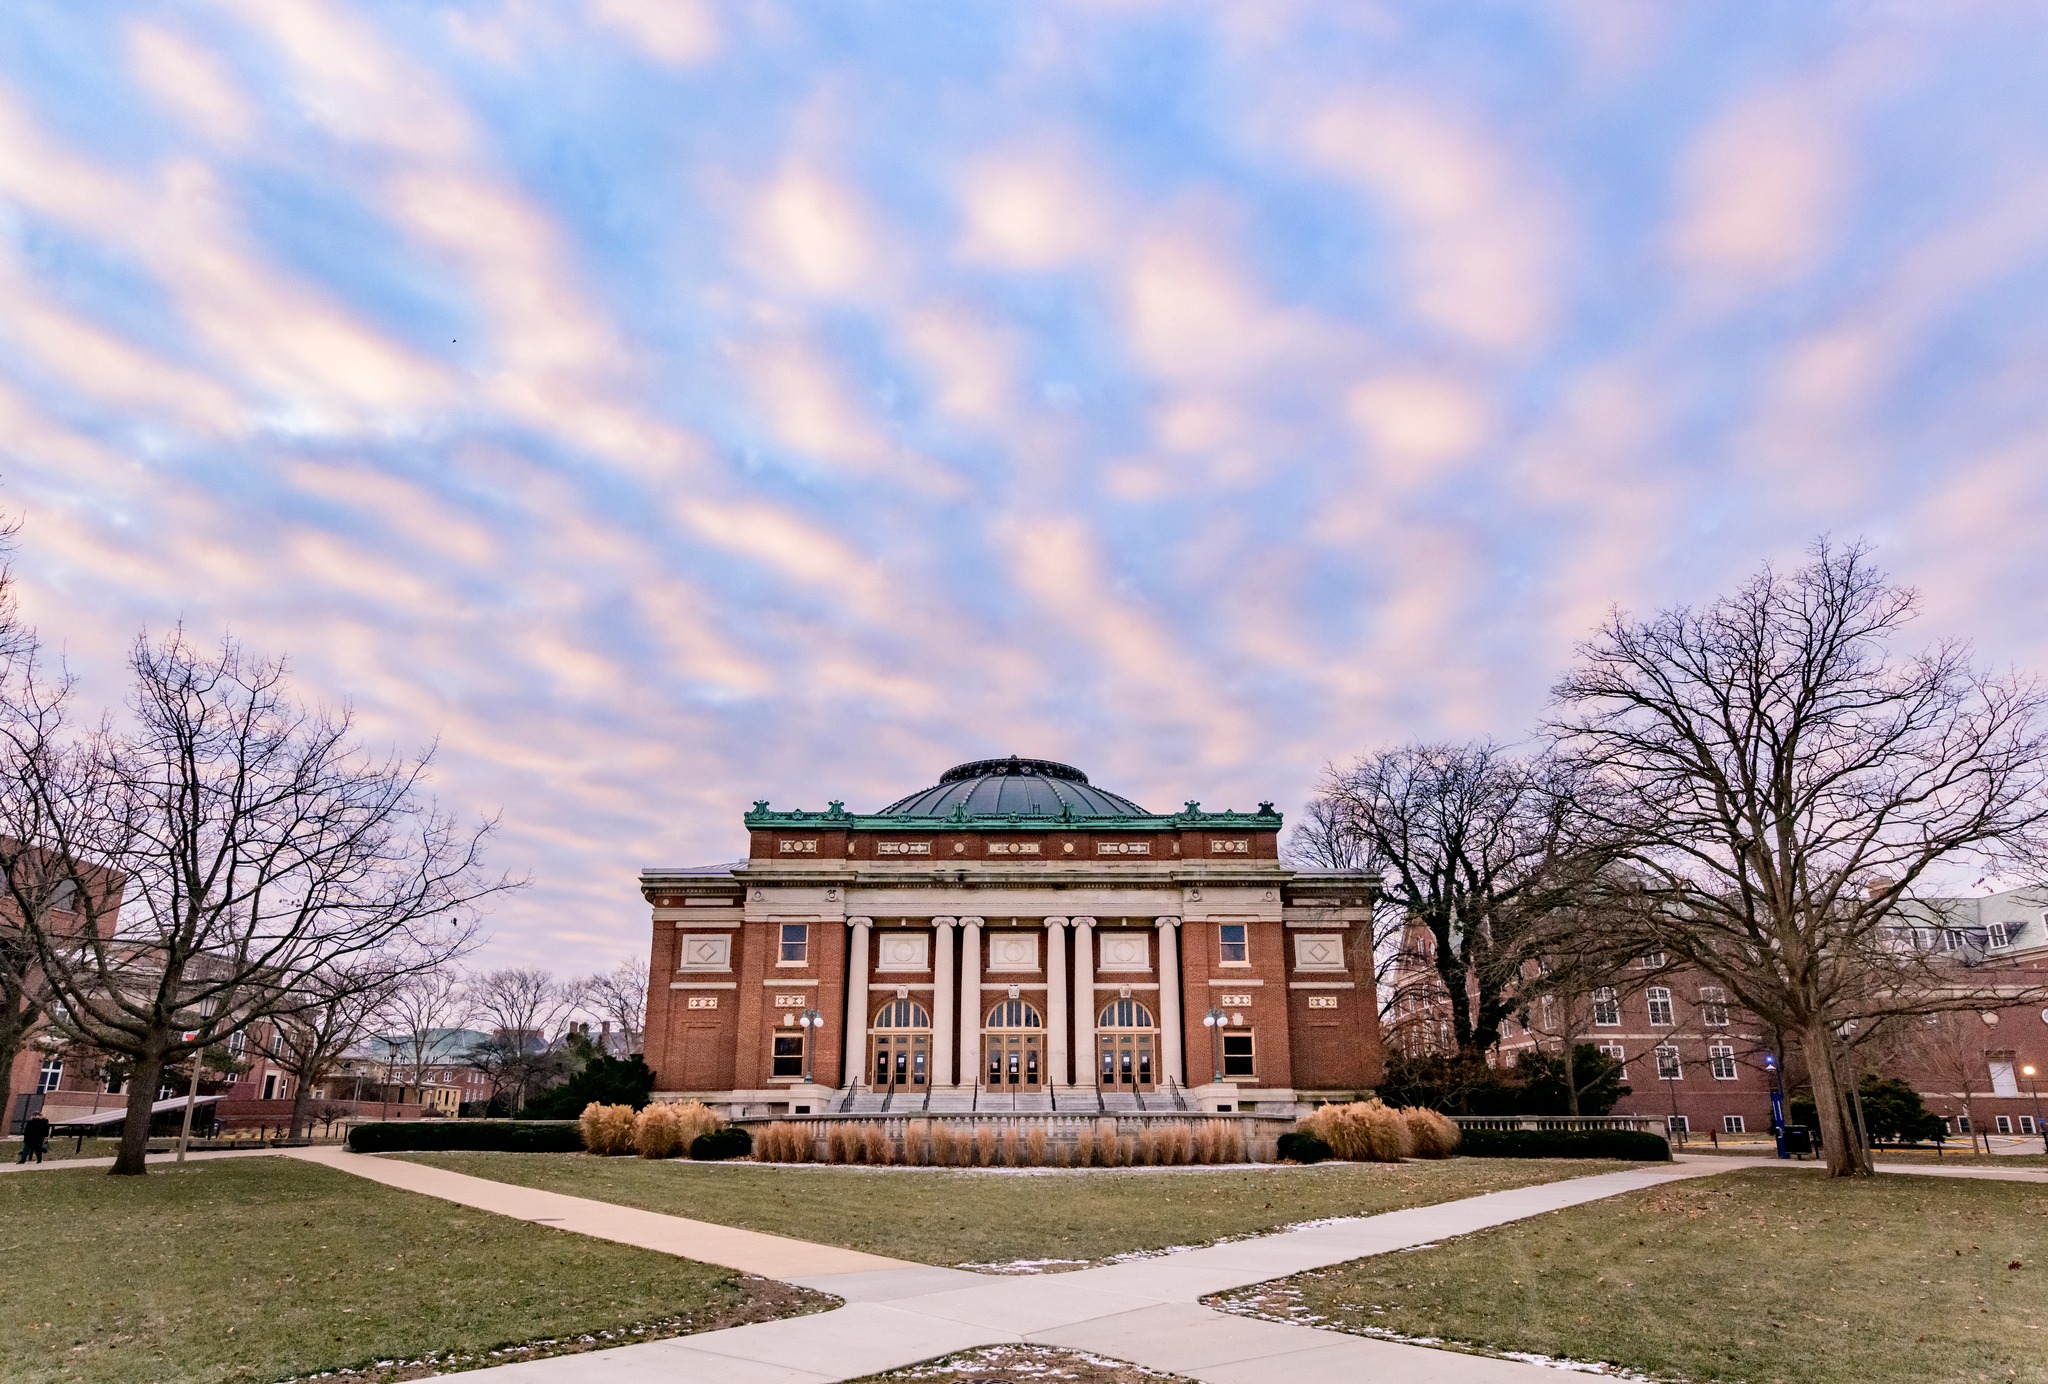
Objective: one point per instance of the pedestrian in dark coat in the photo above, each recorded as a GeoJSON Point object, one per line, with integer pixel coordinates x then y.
{"type": "Point", "coordinates": [35, 1138]}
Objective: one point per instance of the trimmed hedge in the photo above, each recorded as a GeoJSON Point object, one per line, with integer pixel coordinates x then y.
{"type": "Point", "coordinates": [1635, 1145]}
{"type": "Point", "coordinates": [498, 1136]}
{"type": "Point", "coordinates": [717, 1145]}
{"type": "Point", "coordinates": [1303, 1148]}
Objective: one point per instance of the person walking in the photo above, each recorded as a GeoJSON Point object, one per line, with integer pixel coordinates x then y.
{"type": "Point", "coordinates": [35, 1138]}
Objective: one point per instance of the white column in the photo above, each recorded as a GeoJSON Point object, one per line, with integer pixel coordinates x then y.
{"type": "Point", "coordinates": [1056, 1001]}
{"type": "Point", "coordinates": [942, 1001]}
{"type": "Point", "coordinates": [970, 1001]}
{"type": "Point", "coordinates": [1169, 997]}
{"type": "Point", "coordinates": [857, 999]}
{"type": "Point", "coordinates": [1084, 1002]}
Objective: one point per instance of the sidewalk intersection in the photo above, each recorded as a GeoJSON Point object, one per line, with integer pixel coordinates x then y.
{"type": "Point", "coordinates": [1147, 1311]}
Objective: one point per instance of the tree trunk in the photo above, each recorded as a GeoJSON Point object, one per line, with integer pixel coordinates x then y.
{"type": "Point", "coordinates": [1837, 1137]}
{"type": "Point", "coordinates": [143, 1079]}
{"type": "Point", "coordinates": [301, 1096]}
{"type": "Point", "coordinates": [8, 1052]}
{"type": "Point", "coordinates": [1571, 1080]}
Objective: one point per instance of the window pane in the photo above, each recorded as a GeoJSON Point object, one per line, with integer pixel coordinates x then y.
{"type": "Point", "coordinates": [1233, 946]}
{"type": "Point", "coordinates": [796, 941]}
{"type": "Point", "coordinates": [1237, 1054]}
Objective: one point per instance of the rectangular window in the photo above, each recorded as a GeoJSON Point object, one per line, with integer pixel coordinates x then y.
{"type": "Point", "coordinates": [796, 945]}
{"type": "Point", "coordinates": [1668, 1066]}
{"type": "Point", "coordinates": [1230, 941]}
{"type": "Point", "coordinates": [1606, 1009]}
{"type": "Point", "coordinates": [51, 1073]}
{"type": "Point", "coordinates": [2005, 1124]}
{"type": "Point", "coordinates": [2027, 1125]}
{"type": "Point", "coordinates": [1713, 1006]}
{"type": "Point", "coordinates": [1653, 961]}
{"type": "Point", "coordinates": [789, 1055]}
{"type": "Point", "coordinates": [1660, 1005]}
{"type": "Point", "coordinates": [1962, 1124]}
{"type": "Point", "coordinates": [270, 1086]}
{"type": "Point", "coordinates": [1677, 1124]}
{"type": "Point", "coordinates": [1732, 1124]}
{"type": "Point", "coordinates": [1999, 934]}
{"type": "Point", "coordinates": [1721, 1058]}
{"type": "Point", "coordinates": [2004, 1082]}
{"type": "Point", "coordinates": [1614, 1050]}
{"type": "Point", "coordinates": [1237, 1054]}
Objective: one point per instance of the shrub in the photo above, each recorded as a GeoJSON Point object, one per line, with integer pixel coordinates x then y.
{"type": "Point", "coordinates": [1035, 1147]}
{"type": "Point", "coordinates": [875, 1145]}
{"type": "Point", "coordinates": [603, 1080]}
{"type": "Point", "coordinates": [945, 1146]}
{"type": "Point", "coordinates": [1299, 1146]}
{"type": "Point", "coordinates": [607, 1129]}
{"type": "Point", "coordinates": [1363, 1131]}
{"type": "Point", "coordinates": [1634, 1145]}
{"type": "Point", "coordinates": [717, 1145]}
{"type": "Point", "coordinates": [1432, 1135]}
{"type": "Point", "coordinates": [498, 1136]}
{"type": "Point", "coordinates": [1084, 1149]}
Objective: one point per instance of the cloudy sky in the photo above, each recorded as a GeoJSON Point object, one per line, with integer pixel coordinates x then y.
{"type": "Point", "coordinates": [668, 404]}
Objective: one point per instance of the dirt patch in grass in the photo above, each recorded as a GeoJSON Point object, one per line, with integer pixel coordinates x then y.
{"type": "Point", "coordinates": [1009, 1222]}
{"type": "Point", "coordinates": [1752, 1276]}
{"type": "Point", "coordinates": [262, 1269]}
{"type": "Point", "coordinates": [1023, 1365]}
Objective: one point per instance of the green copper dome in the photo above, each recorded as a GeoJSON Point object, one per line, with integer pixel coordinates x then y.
{"type": "Point", "coordinates": [1023, 787]}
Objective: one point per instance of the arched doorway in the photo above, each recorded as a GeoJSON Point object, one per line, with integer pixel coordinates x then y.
{"type": "Point", "coordinates": [900, 1046]}
{"type": "Point", "coordinates": [1126, 1041]}
{"type": "Point", "coordinates": [1013, 1047]}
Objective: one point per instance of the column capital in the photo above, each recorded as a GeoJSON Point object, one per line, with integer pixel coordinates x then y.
{"type": "Point", "coordinates": [970, 922]}
{"type": "Point", "coordinates": [1084, 922]}
{"type": "Point", "coordinates": [1055, 922]}
{"type": "Point", "coordinates": [860, 922]}
{"type": "Point", "coordinates": [1166, 922]}
{"type": "Point", "coordinates": [944, 922]}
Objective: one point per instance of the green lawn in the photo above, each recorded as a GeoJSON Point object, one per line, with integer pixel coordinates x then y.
{"type": "Point", "coordinates": [1045, 1220]}
{"type": "Point", "coordinates": [263, 1268]}
{"type": "Point", "coordinates": [1756, 1276]}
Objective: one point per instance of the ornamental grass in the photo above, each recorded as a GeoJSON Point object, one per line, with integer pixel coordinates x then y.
{"type": "Point", "coordinates": [1434, 1135]}
{"type": "Point", "coordinates": [666, 1129]}
{"type": "Point", "coordinates": [1368, 1131]}
{"type": "Point", "coordinates": [607, 1129]}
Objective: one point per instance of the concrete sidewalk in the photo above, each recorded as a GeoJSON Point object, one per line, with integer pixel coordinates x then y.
{"type": "Point", "coordinates": [749, 1251]}
{"type": "Point", "coordinates": [1146, 1310]}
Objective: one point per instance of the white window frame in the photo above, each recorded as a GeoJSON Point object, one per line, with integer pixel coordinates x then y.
{"type": "Point", "coordinates": [2027, 1125]}
{"type": "Point", "coordinates": [1224, 944]}
{"type": "Point", "coordinates": [1660, 996]}
{"type": "Point", "coordinates": [1732, 1124]}
{"type": "Point", "coordinates": [1615, 1051]}
{"type": "Point", "coordinates": [801, 941]}
{"type": "Point", "coordinates": [1606, 1008]}
{"type": "Point", "coordinates": [1653, 961]}
{"type": "Point", "coordinates": [1676, 1065]}
{"type": "Point", "coordinates": [2004, 1124]}
{"type": "Point", "coordinates": [1722, 1056]}
{"type": "Point", "coordinates": [1250, 1059]}
{"type": "Point", "coordinates": [1713, 1006]}
{"type": "Point", "coordinates": [50, 1075]}
{"type": "Point", "coordinates": [1677, 1124]}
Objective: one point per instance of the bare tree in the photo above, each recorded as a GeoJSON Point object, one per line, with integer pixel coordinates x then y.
{"type": "Point", "coordinates": [1786, 783]}
{"type": "Point", "coordinates": [258, 847]}
{"type": "Point", "coordinates": [1950, 1048]}
{"type": "Point", "coordinates": [619, 996]}
{"type": "Point", "coordinates": [310, 1039]}
{"type": "Point", "coordinates": [525, 1010]}
{"type": "Point", "coordinates": [1476, 848]}
{"type": "Point", "coordinates": [418, 1016]}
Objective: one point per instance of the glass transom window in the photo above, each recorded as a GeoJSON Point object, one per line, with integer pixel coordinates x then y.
{"type": "Point", "coordinates": [1124, 1013]}
{"type": "Point", "coordinates": [1014, 1014]}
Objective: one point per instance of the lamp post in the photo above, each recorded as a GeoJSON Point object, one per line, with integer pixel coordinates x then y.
{"type": "Point", "coordinates": [1777, 1102]}
{"type": "Point", "coordinates": [811, 1020]}
{"type": "Point", "coordinates": [1214, 1021]}
{"type": "Point", "coordinates": [2034, 1081]}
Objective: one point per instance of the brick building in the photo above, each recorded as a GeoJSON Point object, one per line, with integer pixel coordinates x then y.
{"type": "Point", "coordinates": [1011, 938]}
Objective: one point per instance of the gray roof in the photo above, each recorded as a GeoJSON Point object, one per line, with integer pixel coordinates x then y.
{"type": "Point", "coordinates": [1027, 787]}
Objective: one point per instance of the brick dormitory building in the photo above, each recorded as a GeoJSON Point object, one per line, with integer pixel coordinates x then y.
{"type": "Point", "coordinates": [1011, 938]}
{"type": "Point", "coordinates": [1695, 1061]}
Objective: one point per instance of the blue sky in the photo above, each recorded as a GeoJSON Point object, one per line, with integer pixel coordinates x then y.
{"type": "Point", "coordinates": [668, 405]}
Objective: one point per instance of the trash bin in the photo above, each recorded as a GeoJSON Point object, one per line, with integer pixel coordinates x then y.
{"type": "Point", "coordinates": [1799, 1141]}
